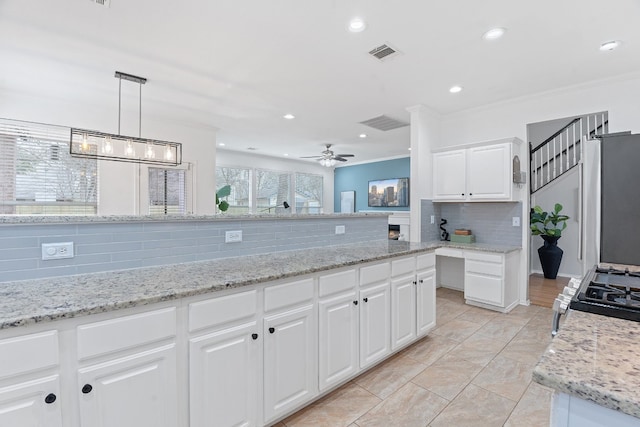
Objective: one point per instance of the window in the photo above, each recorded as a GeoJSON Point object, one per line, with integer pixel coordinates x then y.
{"type": "Point", "coordinates": [308, 193]}
{"type": "Point", "coordinates": [272, 190]}
{"type": "Point", "coordinates": [240, 181]}
{"type": "Point", "coordinates": [167, 191]}
{"type": "Point", "coordinates": [39, 176]}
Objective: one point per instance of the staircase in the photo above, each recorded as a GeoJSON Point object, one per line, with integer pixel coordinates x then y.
{"type": "Point", "coordinates": [562, 151]}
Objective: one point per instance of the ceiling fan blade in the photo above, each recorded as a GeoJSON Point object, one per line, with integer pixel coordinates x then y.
{"type": "Point", "coordinates": [340, 159]}
{"type": "Point", "coordinates": [310, 157]}
{"type": "Point", "coordinates": [345, 155]}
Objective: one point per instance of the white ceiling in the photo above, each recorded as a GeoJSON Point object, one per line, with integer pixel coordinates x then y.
{"type": "Point", "coordinates": [240, 65]}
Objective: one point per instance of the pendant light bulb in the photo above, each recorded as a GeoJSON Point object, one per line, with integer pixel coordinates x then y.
{"type": "Point", "coordinates": [168, 155]}
{"type": "Point", "coordinates": [128, 149]}
{"type": "Point", "coordinates": [84, 145]}
{"type": "Point", "coordinates": [149, 152]}
{"type": "Point", "coordinates": [107, 146]}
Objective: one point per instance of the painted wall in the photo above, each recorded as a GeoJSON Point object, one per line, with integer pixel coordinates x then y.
{"type": "Point", "coordinates": [357, 178]}
{"type": "Point", "coordinates": [229, 158]}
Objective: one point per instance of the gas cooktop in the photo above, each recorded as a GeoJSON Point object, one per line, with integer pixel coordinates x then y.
{"type": "Point", "coordinates": [609, 292]}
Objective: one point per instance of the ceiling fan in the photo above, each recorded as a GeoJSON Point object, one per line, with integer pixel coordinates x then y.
{"type": "Point", "coordinates": [328, 158]}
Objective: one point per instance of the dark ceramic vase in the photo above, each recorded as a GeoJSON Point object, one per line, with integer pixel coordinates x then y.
{"type": "Point", "coordinates": [550, 256]}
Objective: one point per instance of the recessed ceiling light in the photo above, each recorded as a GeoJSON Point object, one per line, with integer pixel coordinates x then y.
{"type": "Point", "coordinates": [357, 25]}
{"type": "Point", "coordinates": [286, 154]}
{"type": "Point", "coordinates": [221, 144]}
{"type": "Point", "coordinates": [289, 116]}
{"type": "Point", "coordinates": [363, 135]}
{"type": "Point", "coordinates": [455, 89]}
{"type": "Point", "coordinates": [409, 148]}
{"type": "Point", "coordinates": [610, 45]}
{"type": "Point", "coordinates": [494, 33]}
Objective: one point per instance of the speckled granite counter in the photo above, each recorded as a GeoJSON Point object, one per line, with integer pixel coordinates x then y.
{"type": "Point", "coordinates": [595, 358]}
{"type": "Point", "coordinates": [32, 301]}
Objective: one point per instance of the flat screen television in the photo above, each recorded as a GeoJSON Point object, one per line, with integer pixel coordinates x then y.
{"type": "Point", "coordinates": [393, 192]}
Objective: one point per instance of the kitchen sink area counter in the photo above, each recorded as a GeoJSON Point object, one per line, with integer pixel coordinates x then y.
{"type": "Point", "coordinates": [40, 300]}
{"type": "Point", "coordinates": [595, 358]}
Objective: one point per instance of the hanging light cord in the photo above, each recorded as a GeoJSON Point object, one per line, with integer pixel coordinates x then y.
{"type": "Point", "coordinates": [119, 101]}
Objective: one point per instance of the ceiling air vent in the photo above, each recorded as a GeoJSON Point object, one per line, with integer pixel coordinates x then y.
{"type": "Point", "coordinates": [384, 52]}
{"type": "Point", "coordinates": [105, 3]}
{"type": "Point", "coordinates": [384, 123]}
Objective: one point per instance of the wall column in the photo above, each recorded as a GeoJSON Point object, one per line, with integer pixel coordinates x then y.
{"type": "Point", "coordinates": [425, 133]}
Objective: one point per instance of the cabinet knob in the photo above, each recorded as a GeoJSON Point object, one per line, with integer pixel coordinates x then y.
{"type": "Point", "coordinates": [272, 330]}
{"type": "Point", "coordinates": [415, 283]}
{"type": "Point", "coordinates": [471, 194]}
{"type": "Point", "coordinates": [355, 302]}
{"type": "Point", "coordinates": [462, 194]}
{"type": "Point", "coordinates": [86, 389]}
{"type": "Point", "coordinates": [365, 299]}
{"type": "Point", "coordinates": [50, 398]}
{"type": "Point", "coordinates": [421, 281]}
{"type": "Point", "coordinates": [254, 336]}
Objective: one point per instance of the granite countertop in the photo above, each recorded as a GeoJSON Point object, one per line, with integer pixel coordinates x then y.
{"type": "Point", "coordinates": [41, 300]}
{"type": "Point", "coordinates": [79, 219]}
{"type": "Point", "coordinates": [595, 358]}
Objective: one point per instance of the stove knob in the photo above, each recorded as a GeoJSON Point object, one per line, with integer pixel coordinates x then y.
{"type": "Point", "coordinates": [569, 291]}
{"type": "Point", "coordinates": [574, 283]}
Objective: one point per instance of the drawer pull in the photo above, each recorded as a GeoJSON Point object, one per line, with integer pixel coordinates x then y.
{"type": "Point", "coordinates": [254, 336]}
{"type": "Point", "coordinates": [86, 389]}
{"type": "Point", "coordinates": [365, 299]}
{"type": "Point", "coordinates": [272, 330]}
{"type": "Point", "coordinates": [50, 398]}
{"type": "Point", "coordinates": [355, 302]}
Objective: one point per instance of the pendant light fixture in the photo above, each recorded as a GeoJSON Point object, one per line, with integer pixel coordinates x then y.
{"type": "Point", "coordinates": [104, 146]}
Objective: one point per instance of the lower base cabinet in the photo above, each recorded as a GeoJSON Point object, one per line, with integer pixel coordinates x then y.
{"type": "Point", "coordinates": [31, 403]}
{"type": "Point", "coordinates": [290, 361]}
{"type": "Point", "coordinates": [133, 391]}
{"type": "Point", "coordinates": [223, 378]}
{"type": "Point", "coordinates": [375, 324]}
{"type": "Point", "coordinates": [426, 301]}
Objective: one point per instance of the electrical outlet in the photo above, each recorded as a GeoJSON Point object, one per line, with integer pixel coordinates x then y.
{"type": "Point", "coordinates": [234, 236]}
{"type": "Point", "coordinates": [57, 250]}
{"type": "Point", "coordinates": [516, 221]}
{"type": "Point", "coordinates": [340, 229]}
{"type": "Point", "coordinates": [433, 219]}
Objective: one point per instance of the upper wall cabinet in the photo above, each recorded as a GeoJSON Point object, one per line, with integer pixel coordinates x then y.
{"type": "Point", "coordinates": [477, 172]}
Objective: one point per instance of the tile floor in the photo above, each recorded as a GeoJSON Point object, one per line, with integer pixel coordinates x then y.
{"type": "Point", "coordinates": [473, 369]}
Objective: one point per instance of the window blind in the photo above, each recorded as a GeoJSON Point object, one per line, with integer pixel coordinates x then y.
{"type": "Point", "coordinates": [39, 176]}
{"type": "Point", "coordinates": [167, 191]}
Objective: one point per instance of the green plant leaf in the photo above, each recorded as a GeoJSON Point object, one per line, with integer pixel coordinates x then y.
{"type": "Point", "coordinates": [223, 191]}
{"type": "Point", "coordinates": [223, 205]}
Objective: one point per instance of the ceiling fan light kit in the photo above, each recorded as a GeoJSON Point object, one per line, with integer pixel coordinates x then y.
{"type": "Point", "coordinates": [328, 158]}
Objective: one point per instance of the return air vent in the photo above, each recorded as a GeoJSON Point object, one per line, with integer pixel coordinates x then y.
{"type": "Point", "coordinates": [384, 123]}
{"type": "Point", "coordinates": [105, 3]}
{"type": "Point", "coordinates": [384, 52]}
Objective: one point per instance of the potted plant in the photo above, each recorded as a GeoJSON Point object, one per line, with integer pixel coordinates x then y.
{"type": "Point", "coordinates": [223, 205]}
{"type": "Point", "coordinates": [549, 226]}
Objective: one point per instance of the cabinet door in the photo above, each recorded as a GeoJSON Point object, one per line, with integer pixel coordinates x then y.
{"type": "Point", "coordinates": [449, 179]}
{"type": "Point", "coordinates": [290, 361]}
{"type": "Point", "coordinates": [403, 311]}
{"type": "Point", "coordinates": [133, 391]}
{"type": "Point", "coordinates": [338, 319]}
{"type": "Point", "coordinates": [489, 175]}
{"type": "Point", "coordinates": [375, 324]}
{"type": "Point", "coordinates": [31, 403]}
{"type": "Point", "coordinates": [223, 377]}
{"type": "Point", "coordinates": [426, 301]}
{"type": "Point", "coordinates": [487, 289]}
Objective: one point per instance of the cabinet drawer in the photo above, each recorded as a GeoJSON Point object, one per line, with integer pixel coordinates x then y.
{"type": "Point", "coordinates": [483, 257]}
{"type": "Point", "coordinates": [426, 261]}
{"type": "Point", "coordinates": [374, 273]}
{"type": "Point", "coordinates": [28, 353]}
{"type": "Point", "coordinates": [95, 339]}
{"type": "Point", "coordinates": [403, 266]}
{"type": "Point", "coordinates": [480, 267]}
{"type": "Point", "coordinates": [217, 311]}
{"type": "Point", "coordinates": [281, 296]}
{"type": "Point", "coordinates": [450, 252]}
{"type": "Point", "coordinates": [336, 283]}
{"type": "Point", "coordinates": [483, 289]}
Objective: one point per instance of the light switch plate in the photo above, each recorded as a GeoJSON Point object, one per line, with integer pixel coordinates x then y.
{"type": "Point", "coordinates": [233, 236]}
{"type": "Point", "coordinates": [57, 250]}
{"type": "Point", "coordinates": [516, 221]}
{"type": "Point", "coordinates": [340, 229]}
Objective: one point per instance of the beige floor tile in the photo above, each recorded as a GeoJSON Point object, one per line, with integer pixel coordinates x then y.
{"type": "Point", "coordinates": [448, 376]}
{"type": "Point", "coordinates": [502, 328]}
{"type": "Point", "coordinates": [450, 294]}
{"type": "Point", "coordinates": [430, 349]}
{"type": "Point", "coordinates": [390, 375]}
{"type": "Point", "coordinates": [534, 409]}
{"type": "Point", "coordinates": [475, 407]}
{"type": "Point", "coordinates": [478, 348]}
{"type": "Point", "coordinates": [524, 311]}
{"type": "Point", "coordinates": [506, 377]}
{"type": "Point", "coordinates": [447, 310]}
{"type": "Point", "coordinates": [411, 406]}
{"type": "Point", "coordinates": [527, 351]}
{"type": "Point", "coordinates": [457, 330]}
{"type": "Point", "coordinates": [338, 409]}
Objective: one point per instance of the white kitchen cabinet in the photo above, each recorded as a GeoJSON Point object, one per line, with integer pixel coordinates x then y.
{"type": "Point", "coordinates": [338, 328]}
{"type": "Point", "coordinates": [426, 293]}
{"type": "Point", "coordinates": [481, 172]}
{"type": "Point", "coordinates": [290, 360]}
{"type": "Point", "coordinates": [403, 301]}
{"type": "Point", "coordinates": [375, 323]}
{"type": "Point", "coordinates": [137, 390]}
{"type": "Point", "coordinates": [490, 280]}
{"type": "Point", "coordinates": [30, 381]}
{"type": "Point", "coordinates": [223, 377]}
